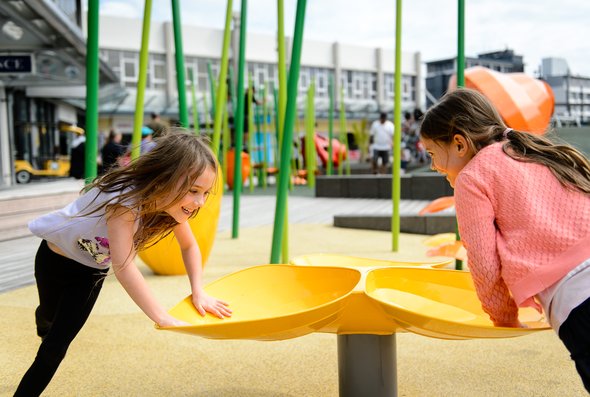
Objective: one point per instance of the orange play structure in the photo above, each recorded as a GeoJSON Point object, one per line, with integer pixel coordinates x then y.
{"type": "Point", "coordinates": [525, 103]}
{"type": "Point", "coordinates": [229, 168]}
{"type": "Point", "coordinates": [321, 146]}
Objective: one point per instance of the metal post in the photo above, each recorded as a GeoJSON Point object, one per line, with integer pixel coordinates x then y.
{"type": "Point", "coordinates": [367, 365]}
{"type": "Point", "coordinates": [460, 83]}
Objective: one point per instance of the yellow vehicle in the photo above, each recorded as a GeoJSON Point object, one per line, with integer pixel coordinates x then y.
{"type": "Point", "coordinates": [59, 166]}
{"type": "Point", "coordinates": [25, 171]}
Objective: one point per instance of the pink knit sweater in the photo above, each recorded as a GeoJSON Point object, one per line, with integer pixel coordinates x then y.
{"type": "Point", "coordinates": [522, 229]}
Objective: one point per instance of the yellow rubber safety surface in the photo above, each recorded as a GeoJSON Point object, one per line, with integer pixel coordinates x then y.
{"type": "Point", "coordinates": [360, 296]}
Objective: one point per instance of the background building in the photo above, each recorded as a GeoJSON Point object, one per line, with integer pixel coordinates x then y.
{"type": "Point", "coordinates": [572, 92]}
{"type": "Point", "coordinates": [438, 73]}
{"type": "Point", "coordinates": [365, 74]}
{"type": "Point", "coordinates": [42, 80]}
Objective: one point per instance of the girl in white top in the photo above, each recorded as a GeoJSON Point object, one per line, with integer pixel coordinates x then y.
{"type": "Point", "coordinates": [124, 211]}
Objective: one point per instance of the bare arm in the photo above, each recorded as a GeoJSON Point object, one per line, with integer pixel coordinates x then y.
{"type": "Point", "coordinates": [191, 255]}
{"type": "Point", "coordinates": [120, 228]}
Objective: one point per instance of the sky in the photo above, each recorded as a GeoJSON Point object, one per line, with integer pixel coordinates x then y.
{"type": "Point", "coordinates": [535, 29]}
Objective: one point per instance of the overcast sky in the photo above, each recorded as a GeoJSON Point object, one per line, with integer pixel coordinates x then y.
{"type": "Point", "coordinates": [533, 28]}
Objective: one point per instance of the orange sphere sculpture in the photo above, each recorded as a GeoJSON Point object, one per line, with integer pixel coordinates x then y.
{"type": "Point", "coordinates": [525, 103]}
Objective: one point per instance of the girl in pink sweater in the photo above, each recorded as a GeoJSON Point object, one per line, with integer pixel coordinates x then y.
{"type": "Point", "coordinates": [523, 209]}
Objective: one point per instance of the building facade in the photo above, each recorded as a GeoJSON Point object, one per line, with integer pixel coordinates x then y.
{"type": "Point", "coordinates": [42, 70]}
{"type": "Point", "coordinates": [365, 75]}
{"type": "Point", "coordinates": [438, 73]}
{"type": "Point", "coordinates": [572, 92]}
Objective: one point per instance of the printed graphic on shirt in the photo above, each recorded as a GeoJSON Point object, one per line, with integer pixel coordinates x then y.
{"type": "Point", "coordinates": [99, 250]}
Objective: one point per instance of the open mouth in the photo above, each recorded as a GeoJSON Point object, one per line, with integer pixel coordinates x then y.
{"type": "Point", "coordinates": [187, 211]}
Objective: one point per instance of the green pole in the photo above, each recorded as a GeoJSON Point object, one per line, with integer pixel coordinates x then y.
{"type": "Point", "coordinates": [309, 135]}
{"type": "Point", "coordinates": [196, 121]}
{"type": "Point", "coordinates": [141, 81]}
{"type": "Point", "coordinates": [91, 145]}
{"type": "Point", "coordinates": [275, 94]}
{"type": "Point", "coordinates": [344, 131]}
{"type": "Point", "coordinates": [461, 45]}
{"type": "Point", "coordinates": [265, 137]}
{"type": "Point", "coordinates": [180, 71]}
{"type": "Point", "coordinates": [330, 124]}
{"type": "Point", "coordinates": [212, 88]}
{"type": "Point", "coordinates": [206, 113]}
{"type": "Point", "coordinates": [282, 99]}
{"type": "Point", "coordinates": [225, 141]}
{"type": "Point", "coordinates": [221, 85]}
{"type": "Point", "coordinates": [460, 83]}
{"type": "Point", "coordinates": [239, 122]}
{"type": "Point", "coordinates": [250, 134]}
{"type": "Point", "coordinates": [286, 146]}
{"type": "Point", "coordinates": [396, 185]}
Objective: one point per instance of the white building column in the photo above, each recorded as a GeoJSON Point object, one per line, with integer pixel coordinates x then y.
{"type": "Point", "coordinates": [171, 89]}
{"type": "Point", "coordinates": [337, 73]}
{"type": "Point", "coordinates": [420, 103]}
{"type": "Point", "coordinates": [5, 149]}
{"type": "Point", "coordinates": [380, 78]}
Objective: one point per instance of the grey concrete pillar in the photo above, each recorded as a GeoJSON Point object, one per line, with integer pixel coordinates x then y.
{"type": "Point", "coordinates": [171, 90]}
{"type": "Point", "coordinates": [367, 365]}
{"type": "Point", "coordinates": [420, 103]}
{"type": "Point", "coordinates": [380, 78]}
{"type": "Point", "coordinates": [6, 168]}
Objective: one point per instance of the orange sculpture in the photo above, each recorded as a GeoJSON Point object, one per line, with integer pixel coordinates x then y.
{"type": "Point", "coordinates": [525, 103]}
{"type": "Point", "coordinates": [229, 168]}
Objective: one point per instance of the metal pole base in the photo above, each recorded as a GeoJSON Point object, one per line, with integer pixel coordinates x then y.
{"type": "Point", "coordinates": [367, 365]}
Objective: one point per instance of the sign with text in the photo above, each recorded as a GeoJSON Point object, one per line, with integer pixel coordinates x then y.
{"type": "Point", "coordinates": [16, 63]}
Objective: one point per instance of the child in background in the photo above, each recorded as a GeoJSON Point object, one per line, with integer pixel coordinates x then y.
{"type": "Point", "coordinates": [523, 210]}
{"type": "Point", "coordinates": [124, 211]}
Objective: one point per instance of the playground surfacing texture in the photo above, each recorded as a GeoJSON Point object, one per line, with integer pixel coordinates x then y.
{"type": "Point", "coordinates": [119, 353]}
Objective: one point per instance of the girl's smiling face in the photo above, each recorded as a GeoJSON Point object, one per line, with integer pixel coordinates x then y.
{"type": "Point", "coordinates": [449, 159]}
{"type": "Point", "coordinates": [195, 198]}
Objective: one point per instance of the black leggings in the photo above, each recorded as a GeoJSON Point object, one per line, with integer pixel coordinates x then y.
{"type": "Point", "coordinates": [575, 335]}
{"type": "Point", "coordinates": [67, 293]}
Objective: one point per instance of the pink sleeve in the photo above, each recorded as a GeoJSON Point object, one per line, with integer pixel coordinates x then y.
{"type": "Point", "coordinates": [476, 219]}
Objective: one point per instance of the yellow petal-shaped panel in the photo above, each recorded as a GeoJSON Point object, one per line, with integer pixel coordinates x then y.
{"type": "Point", "coordinates": [165, 257]}
{"type": "Point", "coordinates": [272, 302]}
{"type": "Point", "coordinates": [357, 262]}
{"type": "Point", "coordinates": [440, 303]}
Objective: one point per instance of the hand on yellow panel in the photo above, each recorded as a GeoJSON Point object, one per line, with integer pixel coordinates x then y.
{"type": "Point", "coordinates": [205, 303]}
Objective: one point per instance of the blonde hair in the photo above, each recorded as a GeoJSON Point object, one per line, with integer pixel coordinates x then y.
{"type": "Point", "coordinates": [468, 113]}
{"type": "Point", "coordinates": [174, 164]}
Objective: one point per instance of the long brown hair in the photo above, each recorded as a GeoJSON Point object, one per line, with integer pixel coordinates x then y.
{"type": "Point", "coordinates": [176, 161]}
{"type": "Point", "coordinates": [470, 114]}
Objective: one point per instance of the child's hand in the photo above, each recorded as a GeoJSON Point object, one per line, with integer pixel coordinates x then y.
{"type": "Point", "coordinates": [205, 303]}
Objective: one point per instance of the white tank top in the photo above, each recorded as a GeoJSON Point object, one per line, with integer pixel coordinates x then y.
{"type": "Point", "coordinates": [81, 238]}
{"type": "Point", "coordinates": [565, 295]}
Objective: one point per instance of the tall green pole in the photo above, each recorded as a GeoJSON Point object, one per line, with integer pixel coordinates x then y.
{"type": "Point", "coordinates": [286, 144]}
{"type": "Point", "coordinates": [141, 80]}
{"type": "Point", "coordinates": [91, 145]}
{"type": "Point", "coordinates": [309, 135]}
{"type": "Point", "coordinates": [212, 88]}
{"type": "Point", "coordinates": [196, 121]}
{"type": "Point", "coordinates": [460, 81]}
{"type": "Point", "coordinates": [180, 71]}
{"type": "Point", "coordinates": [239, 122]}
{"type": "Point", "coordinates": [221, 84]}
{"type": "Point", "coordinates": [461, 45]}
{"type": "Point", "coordinates": [330, 125]}
{"type": "Point", "coordinates": [282, 100]}
{"type": "Point", "coordinates": [343, 138]}
{"type": "Point", "coordinates": [251, 133]}
{"type": "Point", "coordinates": [397, 136]}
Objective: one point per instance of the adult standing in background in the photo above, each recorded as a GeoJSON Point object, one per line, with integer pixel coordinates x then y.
{"type": "Point", "coordinates": [382, 138]}
{"type": "Point", "coordinates": [157, 126]}
{"type": "Point", "coordinates": [112, 150]}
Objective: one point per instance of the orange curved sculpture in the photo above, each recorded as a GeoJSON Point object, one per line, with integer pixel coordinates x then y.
{"type": "Point", "coordinates": [229, 168]}
{"type": "Point", "coordinates": [321, 146]}
{"type": "Point", "coordinates": [525, 103]}
{"type": "Point", "coordinates": [440, 204]}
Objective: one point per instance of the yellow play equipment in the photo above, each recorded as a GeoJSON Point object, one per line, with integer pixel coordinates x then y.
{"type": "Point", "coordinates": [165, 258]}
{"type": "Point", "coordinates": [274, 302]}
{"type": "Point", "coordinates": [366, 302]}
